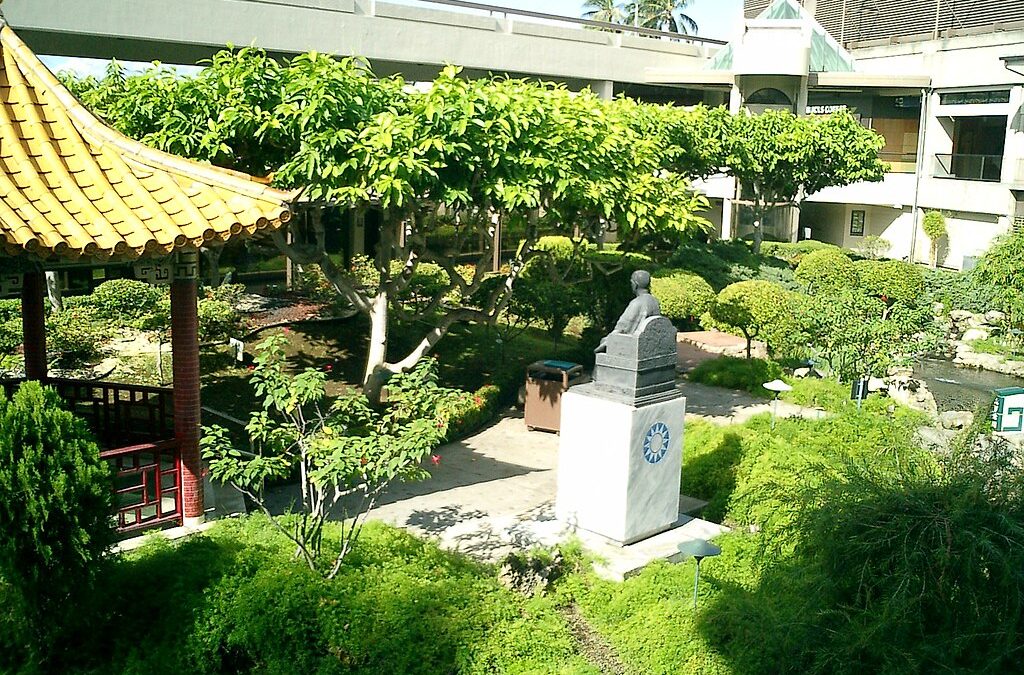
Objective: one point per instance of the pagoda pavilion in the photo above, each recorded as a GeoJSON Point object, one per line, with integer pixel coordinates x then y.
{"type": "Point", "coordinates": [75, 192]}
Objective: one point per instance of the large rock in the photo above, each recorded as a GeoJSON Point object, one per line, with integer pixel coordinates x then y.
{"type": "Point", "coordinates": [912, 393]}
{"type": "Point", "coordinates": [956, 419]}
{"type": "Point", "coordinates": [960, 315]}
{"type": "Point", "coordinates": [994, 317]}
{"type": "Point", "coordinates": [972, 334]}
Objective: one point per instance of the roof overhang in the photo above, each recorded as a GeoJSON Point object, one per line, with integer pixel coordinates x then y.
{"type": "Point", "coordinates": [695, 77]}
{"type": "Point", "coordinates": [1014, 63]}
{"type": "Point", "coordinates": [869, 80]}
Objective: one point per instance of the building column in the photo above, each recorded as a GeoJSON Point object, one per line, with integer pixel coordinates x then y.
{"type": "Point", "coordinates": [33, 324]}
{"type": "Point", "coordinates": [603, 88]}
{"type": "Point", "coordinates": [185, 351]}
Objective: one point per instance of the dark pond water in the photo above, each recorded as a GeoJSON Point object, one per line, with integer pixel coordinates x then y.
{"type": "Point", "coordinates": [957, 388]}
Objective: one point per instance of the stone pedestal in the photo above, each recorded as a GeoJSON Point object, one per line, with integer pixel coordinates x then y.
{"type": "Point", "coordinates": [619, 464]}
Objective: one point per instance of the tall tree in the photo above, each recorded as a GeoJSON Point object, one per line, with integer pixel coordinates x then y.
{"type": "Point", "coordinates": [476, 155]}
{"type": "Point", "coordinates": [666, 15]}
{"type": "Point", "coordinates": [780, 159]}
{"type": "Point", "coordinates": [608, 11]}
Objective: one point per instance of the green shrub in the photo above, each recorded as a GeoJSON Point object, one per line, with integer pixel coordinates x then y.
{"type": "Point", "coordinates": [794, 253]}
{"type": "Point", "coordinates": [229, 293]}
{"type": "Point", "coordinates": [758, 309]}
{"type": "Point", "coordinates": [73, 336]}
{"type": "Point", "coordinates": [1001, 265]}
{"type": "Point", "coordinates": [218, 320]}
{"type": "Point", "coordinates": [732, 373]}
{"type": "Point", "coordinates": [827, 271]}
{"type": "Point", "coordinates": [10, 335]}
{"type": "Point", "coordinates": [721, 263]}
{"type": "Point", "coordinates": [464, 413]}
{"type": "Point", "coordinates": [916, 569]}
{"type": "Point", "coordinates": [55, 512]}
{"type": "Point", "coordinates": [711, 454]}
{"type": "Point", "coordinates": [125, 299]}
{"type": "Point", "coordinates": [934, 226]}
{"type": "Point", "coordinates": [969, 291]}
{"type": "Point", "coordinates": [892, 280]}
{"type": "Point", "coordinates": [812, 392]}
{"type": "Point", "coordinates": [683, 296]}
{"type": "Point", "coordinates": [10, 310]}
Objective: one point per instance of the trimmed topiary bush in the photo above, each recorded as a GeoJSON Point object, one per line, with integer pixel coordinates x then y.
{"type": "Point", "coordinates": [125, 299]}
{"type": "Point", "coordinates": [56, 497]}
{"type": "Point", "coordinates": [934, 226]}
{"type": "Point", "coordinates": [684, 297]}
{"type": "Point", "coordinates": [757, 309]}
{"type": "Point", "coordinates": [794, 253]}
{"type": "Point", "coordinates": [891, 280]}
{"type": "Point", "coordinates": [827, 271]}
{"type": "Point", "coordinates": [73, 336]}
{"type": "Point", "coordinates": [732, 373]}
{"type": "Point", "coordinates": [218, 320]}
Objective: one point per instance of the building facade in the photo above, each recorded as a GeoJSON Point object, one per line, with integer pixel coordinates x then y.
{"type": "Point", "coordinates": [949, 101]}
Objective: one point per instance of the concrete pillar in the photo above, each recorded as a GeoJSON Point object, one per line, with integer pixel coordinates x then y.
{"type": "Point", "coordinates": [603, 88]}
{"type": "Point", "coordinates": [727, 227]}
{"type": "Point", "coordinates": [33, 324]}
{"type": "Point", "coordinates": [185, 349]}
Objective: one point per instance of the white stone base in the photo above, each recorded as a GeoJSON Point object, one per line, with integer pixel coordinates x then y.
{"type": "Point", "coordinates": [615, 478]}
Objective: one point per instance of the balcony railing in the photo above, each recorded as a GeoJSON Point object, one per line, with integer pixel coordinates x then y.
{"type": "Point", "coordinates": [899, 162]}
{"type": "Point", "coordinates": [969, 167]}
{"type": "Point", "coordinates": [135, 428]}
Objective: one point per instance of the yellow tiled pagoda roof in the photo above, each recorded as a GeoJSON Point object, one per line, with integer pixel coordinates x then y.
{"type": "Point", "coordinates": [70, 186]}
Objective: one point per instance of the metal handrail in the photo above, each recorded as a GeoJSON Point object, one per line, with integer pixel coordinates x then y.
{"type": "Point", "coordinates": [617, 27]}
{"type": "Point", "coordinates": [953, 166]}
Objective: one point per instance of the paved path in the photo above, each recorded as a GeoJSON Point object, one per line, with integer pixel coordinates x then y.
{"type": "Point", "coordinates": [730, 406]}
{"type": "Point", "coordinates": [494, 492]}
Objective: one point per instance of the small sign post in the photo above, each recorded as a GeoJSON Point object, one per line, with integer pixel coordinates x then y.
{"type": "Point", "coordinates": [237, 349]}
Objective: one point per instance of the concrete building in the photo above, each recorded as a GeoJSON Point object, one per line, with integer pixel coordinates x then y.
{"type": "Point", "coordinates": [950, 104]}
{"type": "Point", "coordinates": [942, 82]}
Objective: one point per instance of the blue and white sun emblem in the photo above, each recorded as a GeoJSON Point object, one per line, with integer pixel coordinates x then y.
{"type": "Point", "coordinates": [656, 442]}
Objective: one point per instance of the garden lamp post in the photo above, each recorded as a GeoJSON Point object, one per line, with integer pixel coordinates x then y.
{"type": "Point", "coordinates": [776, 387]}
{"type": "Point", "coordinates": [698, 549]}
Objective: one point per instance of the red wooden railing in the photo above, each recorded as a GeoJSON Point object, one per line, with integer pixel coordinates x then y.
{"type": "Point", "coordinates": [147, 484]}
{"type": "Point", "coordinates": [135, 426]}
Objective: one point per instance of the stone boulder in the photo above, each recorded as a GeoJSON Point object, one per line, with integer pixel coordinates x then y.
{"type": "Point", "coordinates": [912, 393]}
{"type": "Point", "coordinates": [972, 334]}
{"type": "Point", "coordinates": [956, 419]}
{"type": "Point", "coordinates": [960, 315]}
{"type": "Point", "coordinates": [994, 317]}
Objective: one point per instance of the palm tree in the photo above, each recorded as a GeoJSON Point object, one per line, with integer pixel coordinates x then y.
{"type": "Point", "coordinates": [666, 15]}
{"type": "Point", "coordinates": [608, 11]}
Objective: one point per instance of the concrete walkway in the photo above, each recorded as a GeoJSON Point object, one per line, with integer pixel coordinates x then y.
{"type": "Point", "coordinates": [494, 493]}
{"type": "Point", "coordinates": [731, 406]}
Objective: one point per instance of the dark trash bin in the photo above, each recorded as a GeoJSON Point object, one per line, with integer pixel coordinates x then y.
{"type": "Point", "coordinates": [545, 383]}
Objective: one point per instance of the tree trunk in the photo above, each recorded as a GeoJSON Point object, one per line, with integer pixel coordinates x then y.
{"type": "Point", "coordinates": [212, 255]}
{"type": "Point", "coordinates": [376, 360]}
{"type": "Point", "coordinates": [53, 292]}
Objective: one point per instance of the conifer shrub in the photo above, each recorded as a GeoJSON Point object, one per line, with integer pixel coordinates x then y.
{"type": "Point", "coordinates": [55, 512]}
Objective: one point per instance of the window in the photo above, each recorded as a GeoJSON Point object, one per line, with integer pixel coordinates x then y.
{"type": "Point", "coordinates": [857, 223]}
{"type": "Point", "coordinates": [974, 97]}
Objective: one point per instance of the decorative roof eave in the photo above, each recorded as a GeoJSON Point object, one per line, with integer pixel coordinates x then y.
{"type": "Point", "coordinates": [72, 187]}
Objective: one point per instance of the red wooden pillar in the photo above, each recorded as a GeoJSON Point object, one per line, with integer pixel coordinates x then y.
{"type": "Point", "coordinates": [33, 324]}
{"type": "Point", "coordinates": [185, 353]}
